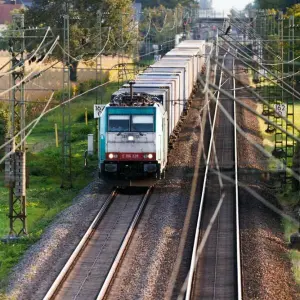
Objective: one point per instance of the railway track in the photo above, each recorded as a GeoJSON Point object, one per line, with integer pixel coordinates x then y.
{"type": "Point", "coordinates": [91, 268]}
{"type": "Point", "coordinates": [216, 272]}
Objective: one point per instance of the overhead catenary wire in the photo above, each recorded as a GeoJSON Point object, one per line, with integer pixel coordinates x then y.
{"type": "Point", "coordinates": [52, 109]}
{"type": "Point", "coordinates": [23, 29]}
{"type": "Point", "coordinates": [27, 80]}
{"type": "Point", "coordinates": [243, 133]}
{"type": "Point", "coordinates": [250, 49]}
{"type": "Point", "coordinates": [31, 56]}
{"type": "Point", "coordinates": [217, 210]}
{"type": "Point", "coordinates": [73, 98]}
{"type": "Point", "coordinates": [189, 279]}
{"type": "Point", "coordinates": [261, 98]}
{"type": "Point", "coordinates": [184, 288]}
{"type": "Point", "coordinates": [265, 46]}
{"type": "Point", "coordinates": [27, 76]}
{"type": "Point", "coordinates": [115, 43]}
{"type": "Point", "coordinates": [175, 21]}
{"type": "Point", "coordinates": [149, 28]}
{"type": "Point", "coordinates": [55, 63]}
{"type": "Point", "coordinates": [263, 63]}
{"type": "Point", "coordinates": [190, 207]}
{"type": "Point", "coordinates": [29, 132]}
{"type": "Point", "coordinates": [59, 105]}
{"type": "Point", "coordinates": [16, 53]}
{"type": "Point", "coordinates": [91, 59]}
{"type": "Point", "coordinates": [163, 26]}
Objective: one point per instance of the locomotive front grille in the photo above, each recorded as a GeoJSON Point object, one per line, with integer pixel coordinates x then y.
{"type": "Point", "coordinates": [129, 169]}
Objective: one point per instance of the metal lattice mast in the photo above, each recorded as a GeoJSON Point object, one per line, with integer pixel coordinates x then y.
{"type": "Point", "coordinates": [262, 88]}
{"type": "Point", "coordinates": [15, 165]}
{"type": "Point", "coordinates": [278, 151]}
{"type": "Point", "coordinates": [270, 93]}
{"type": "Point", "coordinates": [66, 181]}
{"type": "Point", "coordinates": [273, 91]}
{"type": "Point", "coordinates": [289, 142]}
{"type": "Point", "coordinates": [99, 58]}
{"type": "Point", "coordinates": [98, 75]}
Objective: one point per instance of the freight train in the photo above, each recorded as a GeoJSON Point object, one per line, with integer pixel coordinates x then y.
{"type": "Point", "coordinates": [143, 116]}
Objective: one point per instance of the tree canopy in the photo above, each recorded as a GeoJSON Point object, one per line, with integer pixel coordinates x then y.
{"type": "Point", "coordinates": [167, 3]}
{"type": "Point", "coordinates": [117, 23]}
{"type": "Point", "coordinates": [277, 4]}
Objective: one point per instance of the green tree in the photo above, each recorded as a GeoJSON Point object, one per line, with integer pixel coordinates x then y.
{"type": "Point", "coordinates": [167, 3]}
{"type": "Point", "coordinates": [164, 24]}
{"type": "Point", "coordinates": [277, 4]}
{"type": "Point", "coordinates": [4, 116]}
{"type": "Point", "coordinates": [117, 20]}
{"type": "Point", "coordinates": [293, 10]}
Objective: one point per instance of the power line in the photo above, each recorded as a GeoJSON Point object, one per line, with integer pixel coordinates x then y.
{"type": "Point", "coordinates": [26, 77]}
{"type": "Point", "coordinates": [20, 63]}
{"type": "Point", "coordinates": [259, 97]}
{"type": "Point", "coordinates": [86, 61]}
{"type": "Point", "coordinates": [34, 123]}
{"type": "Point", "coordinates": [52, 109]}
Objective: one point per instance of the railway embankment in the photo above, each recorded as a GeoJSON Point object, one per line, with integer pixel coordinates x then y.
{"type": "Point", "coordinates": [45, 198]}
{"type": "Point", "coordinates": [148, 270]}
{"type": "Point", "coordinates": [156, 260]}
{"type": "Point", "coordinates": [40, 265]}
{"type": "Point", "coordinates": [267, 268]}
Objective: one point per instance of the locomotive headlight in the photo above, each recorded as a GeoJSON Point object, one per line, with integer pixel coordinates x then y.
{"type": "Point", "coordinates": [150, 156]}
{"type": "Point", "coordinates": [130, 138]}
{"type": "Point", "coordinates": [111, 156]}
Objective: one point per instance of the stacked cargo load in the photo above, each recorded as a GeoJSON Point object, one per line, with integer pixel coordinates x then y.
{"type": "Point", "coordinates": [144, 116]}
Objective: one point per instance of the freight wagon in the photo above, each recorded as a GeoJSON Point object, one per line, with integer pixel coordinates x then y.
{"type": "Point", "coordinates": [143, 116]}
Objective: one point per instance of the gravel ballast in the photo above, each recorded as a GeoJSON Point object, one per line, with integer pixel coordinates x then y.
{"type": "Point", "coordinates": [267, 273]}
{"type": "Point", "coordinates": [148, 268]}
{"type": "Point", "coordinates": [35, 273]}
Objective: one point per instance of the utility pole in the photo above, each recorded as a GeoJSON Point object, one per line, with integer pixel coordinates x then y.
{"type": "Point", "coordinates": [290, 101]}
{"type": "Point", "coordinates": [66, 181]}
{"type": "Point", "coordinates": [279, 145]}
{"type": "Point", "coordinates": [98, 75]}
{"type": "Point", "coordinates": [15, 165]}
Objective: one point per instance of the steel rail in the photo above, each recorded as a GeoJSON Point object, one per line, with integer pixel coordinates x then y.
{"type": "Point", "coordinates": [196, 239]}
{"type": "Point", "coordinates": [237, 223]}
{"type": "Point", "coordinates": [80, 247]}
{"type": "Point", "coordinates": [118, 259]}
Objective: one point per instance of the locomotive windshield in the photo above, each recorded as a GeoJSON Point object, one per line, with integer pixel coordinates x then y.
{"type": "Point", "coordinates": [118, 123]}
{"type": "Point", "coordinates": [142, 123]}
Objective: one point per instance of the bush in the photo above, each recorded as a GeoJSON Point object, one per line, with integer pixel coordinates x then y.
{"type": "Point", "coordinates": [45, 163]}
{"type": "Point", "coordinates": [58, 94]}
{"type": "Point", "coordinates": [80, 133]}
{"type": "Point", "coordinates": [81, 117]}
{"type": "Point", "coordinates": [86, 85]}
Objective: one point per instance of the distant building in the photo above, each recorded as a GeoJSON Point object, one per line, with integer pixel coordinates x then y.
{"type": "Point", "coordinates": [205, 4]}
{"type": "Point", "coordinates": [137, 7]}
{"type": "Point", "coordinates": [6, 7]}
{"type": "Point", "coordinates": [5, 12]}
{"type": "Point", "coordinates": [22, 2]}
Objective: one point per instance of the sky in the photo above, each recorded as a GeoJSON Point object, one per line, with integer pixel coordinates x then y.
{"type": "Point", "coordinates": [228, 4]}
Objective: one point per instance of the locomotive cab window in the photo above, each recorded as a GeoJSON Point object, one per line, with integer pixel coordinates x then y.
{"type": "Point", "coordinates": [142, 123]}
{"type": "Point", "coordinates": [118, 123]}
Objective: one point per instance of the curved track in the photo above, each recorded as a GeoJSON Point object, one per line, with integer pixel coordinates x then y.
{"type": "Point", "coordinates": [215, 273]}
{"type": "Point", "coordinates": [88, 272]}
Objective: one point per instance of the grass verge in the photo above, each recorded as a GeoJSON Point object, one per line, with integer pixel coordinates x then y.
{"type": "Point", "coordinates": [45, 198]}
{"type": "Point", "coordinates": [287, 198]}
